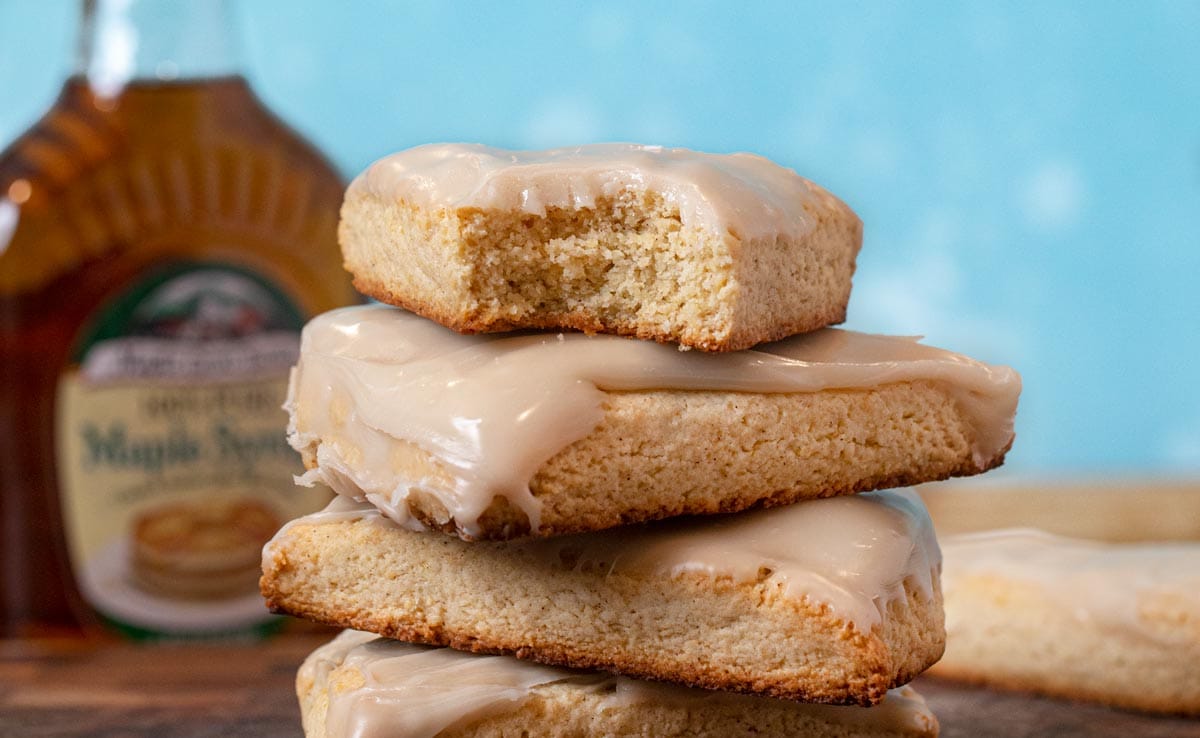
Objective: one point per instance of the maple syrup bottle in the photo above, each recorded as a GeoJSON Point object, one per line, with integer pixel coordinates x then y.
{"type": "Point", "coordinates": [163, 238]}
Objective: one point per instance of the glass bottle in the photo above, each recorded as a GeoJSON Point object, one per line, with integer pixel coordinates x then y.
{"type": "Point", "coordinates": [163, 237]}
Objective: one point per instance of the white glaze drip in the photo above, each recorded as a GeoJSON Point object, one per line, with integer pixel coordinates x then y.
{"type": "Point", "coordinates": [743, 194]}
{"type": "Point", "coordinates": [853, 554]}
{"type": "Point", "coordinates": [417, 692]}
{"type": "Point", "coordinates": [492, 409]}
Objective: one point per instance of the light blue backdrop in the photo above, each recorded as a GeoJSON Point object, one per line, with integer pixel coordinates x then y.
{"type": "Point", "coordinates": [1029, 173]}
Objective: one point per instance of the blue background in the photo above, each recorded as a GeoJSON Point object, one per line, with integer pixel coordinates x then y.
{"type": "Point", "coordinates": [1029, 172]}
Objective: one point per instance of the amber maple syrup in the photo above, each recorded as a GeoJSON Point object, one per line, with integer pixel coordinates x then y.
{"type": "Point", "coordinates": [163, 237]}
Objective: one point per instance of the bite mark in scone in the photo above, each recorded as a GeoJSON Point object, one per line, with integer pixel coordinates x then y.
{"type": "Point", "coordinates": [711, 251]}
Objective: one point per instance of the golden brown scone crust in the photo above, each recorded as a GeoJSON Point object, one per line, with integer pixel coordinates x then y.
{"type": "Point", "coordinates": [1011, 637]}
{"type": "Point", "coordinates": [690, 629]}
{"type": "Point", "coordinates": [666, 453]}
{"type": "Point", "coordinates": [627, 266]}
{"type": "Point", "coordinates": [1018, 622]}
{"type": "Point", "coordinates": [573, 710]}
{"type": "Point", "coordinates": [1011, 630]}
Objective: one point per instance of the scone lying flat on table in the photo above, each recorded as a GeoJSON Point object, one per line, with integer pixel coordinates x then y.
{"type": "Point", "coordinates": [834, 600]}
{"type": "Point", "coordinates": [499, 436]}
{"type": "Point", "coordinates": [373, 687]}
{"type": "Point", "coordinates": [712, 251]}
{"type": "Point", "coordinates": [1103, 605]}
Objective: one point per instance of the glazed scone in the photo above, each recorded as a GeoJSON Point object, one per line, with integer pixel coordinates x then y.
{"type": "Point", "coordinates": [715, 252]}
{"type": "Point", "coordinates": [1117, 623]}
{"type": "Point", "coordinates": [493, 437]}
{"type": "Point", "coordinates": [1112, 509]}
{"type": "Point", "coordinates": [369, 687]}
{"type": "Point", "coordinates": [1085, 619]}
{"type": "Point", "coordinates": [834, 600]}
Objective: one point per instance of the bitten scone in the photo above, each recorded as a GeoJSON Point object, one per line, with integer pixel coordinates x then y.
{"type": "Point", "coordinates": [1111, 622]}
{"type": "Point", "coordinates": [834, 600]}
{"type": "Point", "coordinates": [716, 252]}
{"type": "Point", "coordinates": [495, 437]}
{"type": "Point", "coordinates": [363, 685]}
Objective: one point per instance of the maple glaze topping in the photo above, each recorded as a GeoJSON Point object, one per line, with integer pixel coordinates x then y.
{"type": "Point", "coordinates": [387, 688]}
{"type": "Point", "coordinates": [853, 554]}
{"type": "Point", "coordinates": [397, 404]}
{"type": "Point", "coordinates": [743, 194]}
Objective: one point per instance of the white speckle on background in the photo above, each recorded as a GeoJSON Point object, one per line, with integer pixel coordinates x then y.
{"type": "Point", "coordinates": [1051, 197]}
{"type": "Point", "coordinates": [876, 151]}
{"type": "Point", "coordinates": [656, 124]}
{"type": "Point", "coordinates": [1181, 449]}
{"type": "Point", "coordinates": [561, 121]}
{"type": "Point", "coordinates": [678, 47]}
{"type": "Point", "coordinates": [605, 29]}
{"type": "Point", "coordinates": [930, 296]}
{"type": "Point", "coordinates": [825, 113]}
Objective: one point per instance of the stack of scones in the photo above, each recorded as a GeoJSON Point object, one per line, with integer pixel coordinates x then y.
{"type": "Point", "coordinates": [601, 467]}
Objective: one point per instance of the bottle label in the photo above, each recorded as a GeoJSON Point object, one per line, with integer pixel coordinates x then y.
{"type": "Point", "coordinates": [173, 463]}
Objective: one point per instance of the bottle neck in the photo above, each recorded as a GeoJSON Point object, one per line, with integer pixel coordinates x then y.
{"type": "Point", "coordinates": [157, 40]}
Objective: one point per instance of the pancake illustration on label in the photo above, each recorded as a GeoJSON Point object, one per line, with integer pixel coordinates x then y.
{"type": "Point", "coordinates": [204, 550]}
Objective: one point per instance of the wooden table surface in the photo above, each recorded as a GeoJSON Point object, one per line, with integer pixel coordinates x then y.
{"type": "Point", "coordinates": [68, 689]}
